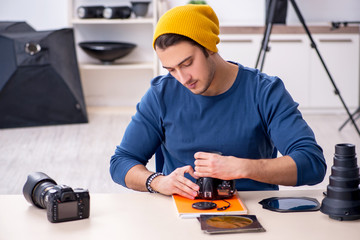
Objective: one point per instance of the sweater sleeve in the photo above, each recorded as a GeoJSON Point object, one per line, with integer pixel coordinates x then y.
{"type": "Point", "coordinates": [289, 132]}
{"type": "Point", "coordinates": [140, 141]}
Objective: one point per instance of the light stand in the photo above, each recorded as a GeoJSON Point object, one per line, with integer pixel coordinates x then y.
{"type": "Point", "coordinates": [355, 116]}
{"type": "Point", "coordinates": [336, 25]}
{"type": "Point", "coordinates": [265, 42]}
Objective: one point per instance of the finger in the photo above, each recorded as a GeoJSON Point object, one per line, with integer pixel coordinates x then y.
{"type": "Point", "coordinates": [208, 164]}
{"type": "Point", "coordinates": [187, 184]}
{"type": "Point", "coordinates": [191, 171]}
{"type": "Point", "coordinates": [201, 163]}
{"type": "Point", "coordinates": [185, 181]}
{"type": "Point", "coordinates": [205, 155]}
{"type": "Point", "coordinates": [186, 195]}
{"type": "Point", "coordinates": [187, 169]}
{"type": "Point", "coordinates": [200, 174]}
{"type": "Point", "coordinates": [182, 188]}
{"type": "Point", "coordinates": [202, 169]}
{"type": "Point", "coordinates": [201, 155]}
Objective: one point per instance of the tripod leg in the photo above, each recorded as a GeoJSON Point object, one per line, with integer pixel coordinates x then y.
{"type": "Point", "coordinates": [313, 45]}
{"type": "Point", "coordinates": [357, 112]}
{"type": "Point", "coordinates": [265, 42]}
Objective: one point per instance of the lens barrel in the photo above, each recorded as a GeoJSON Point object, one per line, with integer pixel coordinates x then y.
{"type": "Point", "coordinates": [35, 188]}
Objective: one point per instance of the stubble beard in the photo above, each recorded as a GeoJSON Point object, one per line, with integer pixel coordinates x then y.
{"type": "Point", "coordinates": [207, 83]}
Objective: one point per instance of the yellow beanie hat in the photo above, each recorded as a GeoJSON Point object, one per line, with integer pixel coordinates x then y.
{"type": "Point", "coordinates": [198, 22]}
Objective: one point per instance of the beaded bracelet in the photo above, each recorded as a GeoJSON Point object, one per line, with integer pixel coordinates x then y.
{"type": "Point", "coordinates": [150, 179]}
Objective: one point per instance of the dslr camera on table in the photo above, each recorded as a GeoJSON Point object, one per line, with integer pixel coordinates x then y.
{"type": "Point", "coordinates": [214, 189]}
{"type": "Point", "coordinates": [61, 202]}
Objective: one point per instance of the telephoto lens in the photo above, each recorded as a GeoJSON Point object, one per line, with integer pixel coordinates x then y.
{"type": "Point", "coordinates": [121, 12]}
{"type": "Point", "coordinates": [90, 11]}
{"type": "Point", "coordinates": [342, 201]}
{"type": "Point", "coordinates": [36, 187]}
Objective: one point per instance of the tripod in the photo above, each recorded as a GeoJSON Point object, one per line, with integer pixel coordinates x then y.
{"type": "Point", "coordinates": [357, 112]}
{"type": "Point", "coordinates": [336, 25]}
{"type": "Point", "coordinates": [265, 42]}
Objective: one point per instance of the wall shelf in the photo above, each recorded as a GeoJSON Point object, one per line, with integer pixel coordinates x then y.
{"type": "Point", "coordinates": [76, 21]}
{"type": "Point", "coordinates": [119, 66]}
{"type": "Point", "coordinates": [125, 81]}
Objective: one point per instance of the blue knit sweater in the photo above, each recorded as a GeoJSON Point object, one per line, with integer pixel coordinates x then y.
{"type": "Point", "coordinates": [253, 119]}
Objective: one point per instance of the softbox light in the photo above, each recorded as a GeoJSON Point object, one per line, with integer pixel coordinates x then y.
{"type": "Point", "coordinates": [39, 79]}
{"type": "Point", "coordinates": [15, 27]}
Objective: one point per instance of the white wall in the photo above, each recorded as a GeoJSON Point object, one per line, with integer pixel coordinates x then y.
{"type": "Point", "coordinates": [240, 12]}
{"type": "Point", "coordinates": [326, 10]}
{"type": "Point", "coordinates": [252, 12]}
{"type": "Point", "coordinates": [52, 14]}
{"type": "Point", "coordinates": [40, 14]}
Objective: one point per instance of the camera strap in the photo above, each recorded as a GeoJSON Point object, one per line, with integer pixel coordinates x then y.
{"type": "Point", "coordinates": [224, 207]}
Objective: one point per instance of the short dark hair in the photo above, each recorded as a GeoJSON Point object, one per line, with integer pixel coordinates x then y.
{"type": "Point", "coordinates": [169, 39]}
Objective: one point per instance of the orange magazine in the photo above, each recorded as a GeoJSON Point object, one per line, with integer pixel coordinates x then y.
{"type": "Point", "coordinates": [185, 209]}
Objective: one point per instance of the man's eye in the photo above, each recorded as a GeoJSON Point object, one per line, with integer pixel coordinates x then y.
{"type": "Point", "coordinates": [187, 64]}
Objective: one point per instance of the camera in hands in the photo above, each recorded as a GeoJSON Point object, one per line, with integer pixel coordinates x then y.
{"type": "Point", "coordinates": [61, 202]}
{"type": "Point", "coordinates": [214, 189]}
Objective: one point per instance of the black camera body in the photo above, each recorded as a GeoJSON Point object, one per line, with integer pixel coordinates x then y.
{"type": "Point", "coordinates": [61, 202]}
{"type": "Point", "coordinates": [214, 188]}
{"type": "Point", "coordinates": [65, 204]}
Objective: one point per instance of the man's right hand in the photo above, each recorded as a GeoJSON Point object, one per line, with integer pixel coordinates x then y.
{"type": "Point", "coordinates": [177, 183]}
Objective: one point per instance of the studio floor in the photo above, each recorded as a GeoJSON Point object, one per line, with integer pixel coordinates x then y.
{"type": "Point", "coordinates": [78, 155]}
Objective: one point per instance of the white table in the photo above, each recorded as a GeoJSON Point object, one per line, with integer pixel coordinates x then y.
{"type": "Point", "coordinates": [148, 216]}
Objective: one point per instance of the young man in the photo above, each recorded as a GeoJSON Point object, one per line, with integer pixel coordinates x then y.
{"type": "Point", "coordinates": [205, 105]}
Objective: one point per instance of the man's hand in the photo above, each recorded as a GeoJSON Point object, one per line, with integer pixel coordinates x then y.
{"type": "Point", "coordinates": [177, 183]}
{"type": "Point", "coordinates": [216, 166]}
{"type": "Point", "coordinates": [280, 171]}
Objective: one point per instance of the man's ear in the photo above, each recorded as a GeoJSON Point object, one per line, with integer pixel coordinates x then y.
{"type": "Point", "coordinates": [210, 52]}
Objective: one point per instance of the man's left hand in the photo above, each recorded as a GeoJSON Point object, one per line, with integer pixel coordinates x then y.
{"type": "Point", "coordinates": [216, 166]}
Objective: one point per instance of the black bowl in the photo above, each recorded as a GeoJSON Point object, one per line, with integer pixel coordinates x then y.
{"type": "Point", "coordinates": [107, 52]}
{"type": "Point", "coordinates": [140, 8]}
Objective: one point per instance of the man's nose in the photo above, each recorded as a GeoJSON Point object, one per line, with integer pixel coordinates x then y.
{"type": "Point", "coordinates": [184, 77]}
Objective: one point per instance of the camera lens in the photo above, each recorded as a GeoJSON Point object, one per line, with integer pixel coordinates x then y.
{"type": "Point", "coordinates": [36, 187]}
{"type": "Point", "coordinates": [121, 12]}
{"type": "Point", "coordinates": [90, 11]}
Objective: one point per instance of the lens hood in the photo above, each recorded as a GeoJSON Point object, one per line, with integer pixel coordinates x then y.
{"type": "Point", "coordinates": [33, 180]}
